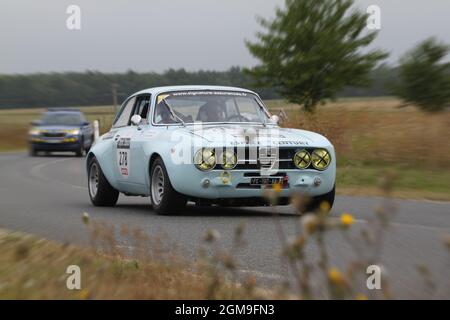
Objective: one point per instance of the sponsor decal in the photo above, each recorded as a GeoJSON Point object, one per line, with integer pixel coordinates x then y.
{"type": "Point", "coordinates": [123, 143]}
{"type": "Point", "coordinates": [208, 93]}
{"type": "Point", "coordinates": [123, 156]}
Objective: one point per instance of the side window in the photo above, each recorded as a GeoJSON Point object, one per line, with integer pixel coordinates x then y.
{"type": "Point", "coordinates": [125, 114]}
{"type": "Point", "coordinates": [142, 106]}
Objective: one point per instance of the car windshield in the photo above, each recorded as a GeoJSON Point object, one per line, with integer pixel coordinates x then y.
{"type": "Point", "coordinates": [208, 106]}
{"type": "Point", "coordinates": [62, 118]}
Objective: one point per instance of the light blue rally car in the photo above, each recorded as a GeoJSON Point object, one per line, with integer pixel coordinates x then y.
{"type": "Point", "coordinates": [209, 145]}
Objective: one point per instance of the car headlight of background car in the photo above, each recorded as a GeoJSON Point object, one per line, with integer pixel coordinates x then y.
{"type": "Point", "coordinates": [320, 159]}
{"type": "Point", "coordinates": [205, 159]}
{"type": "Point", "coordinates": [73, 132]}
{"type": "Point", "coordinates": [34, 132]}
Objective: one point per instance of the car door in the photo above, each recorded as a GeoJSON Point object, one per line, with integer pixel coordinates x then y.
{"type": "Point", "coordinates": [138, 136]}
{"type": "Point", "coordinates": [122, 142]}
{"type": "Point", "coordinates": [130, 163]}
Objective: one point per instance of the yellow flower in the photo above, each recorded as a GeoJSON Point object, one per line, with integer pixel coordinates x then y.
{"type": "Point", "coordinates": [277, 187]}
{"type": "Point", "coordinates": [347, 219]}
{"type": "Point", "coordinates": [325, 207]}
{"type": "Point", "coordinates": [360, 296]}
{"type": "Point", "coordinates": [336, 277]}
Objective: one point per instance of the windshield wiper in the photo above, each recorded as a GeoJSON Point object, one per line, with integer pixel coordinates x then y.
{"type": "Point", "coordinates": [173, 112]}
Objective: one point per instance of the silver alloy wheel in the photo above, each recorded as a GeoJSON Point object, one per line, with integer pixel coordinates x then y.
{"type": "Point", "coordinates": [93, 180]}
{"type": "Point", "coordinates": [157, 185]}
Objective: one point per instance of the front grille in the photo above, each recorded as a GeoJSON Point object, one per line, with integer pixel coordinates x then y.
{"type": "Point", "coordinates": [252, 161]}
{"type": "Point", "coordinates": [53, 134]}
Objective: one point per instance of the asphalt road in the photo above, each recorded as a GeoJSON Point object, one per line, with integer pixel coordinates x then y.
{"type": "Point", "coordinates": [47, 195]}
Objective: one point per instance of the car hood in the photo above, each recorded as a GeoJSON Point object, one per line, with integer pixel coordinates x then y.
{"type": "Point", "coordinates": [235, 135]}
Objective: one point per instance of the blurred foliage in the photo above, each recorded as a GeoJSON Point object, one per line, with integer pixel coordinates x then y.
{"type": "Point", "coordinates": [312, 50]}
{"type": "Point", "coordinates": [424, 78]}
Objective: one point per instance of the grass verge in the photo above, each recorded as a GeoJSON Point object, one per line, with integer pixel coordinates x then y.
{"type": "Point", "coordinates": [32, 268]}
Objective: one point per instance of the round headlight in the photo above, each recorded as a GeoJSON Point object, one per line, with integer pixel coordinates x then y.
{"type": "Point", "coordinates": [229, 160]}
{"type": "Point", "coordinates": [320, 159]}
{"type": "Point", "coordinates": [302, 159]}
{"type": "Point", "coordinates": [73, 132]}
{"type": "Point", "coordinates": [205, 159]}
{"type": "Point", "coordinates": [34, 132]}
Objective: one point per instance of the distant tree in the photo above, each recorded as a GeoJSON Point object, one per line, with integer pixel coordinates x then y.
{"type": "Point", "coordinates": [312, 50]}
{"type": "Point", "coordinates": [424, 78]}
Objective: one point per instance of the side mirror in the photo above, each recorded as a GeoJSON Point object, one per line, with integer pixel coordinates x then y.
{"type": "Point", "coordinates": [274, 119]}
{"type": "Point", "coordinates": [36, 123]}
{"type": "Point", "coordinates": [136, 120]}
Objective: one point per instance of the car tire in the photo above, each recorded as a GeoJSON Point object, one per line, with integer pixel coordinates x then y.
{"type": "Point", "coordinates": [315, 202]}
{"type": "Point", "coordinates": [165, 200]}
{"type": "Point", "coordinates": [32, 152]}
{"type": "Point", "coordinates": [102, 194]}
{"type": "Point", "coordinates": [80, 152]}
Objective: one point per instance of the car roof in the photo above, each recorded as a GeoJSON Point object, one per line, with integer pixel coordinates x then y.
{"type": "Point", "coordinates": [158, 90]}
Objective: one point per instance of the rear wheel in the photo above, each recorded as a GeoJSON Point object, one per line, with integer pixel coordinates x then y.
{"type": "Point", "coordinates": [165, 199]}
{"type": "Point", "coordinates": [102, 194]}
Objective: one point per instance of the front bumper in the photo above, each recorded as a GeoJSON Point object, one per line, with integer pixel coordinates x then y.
{"type": "Point", "coordinates": [62, 144]}
{"type": "Point", "coordinates": [216, 185]}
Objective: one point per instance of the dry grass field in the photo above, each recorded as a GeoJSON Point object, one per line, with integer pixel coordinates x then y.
{"type": "Point", "coordinates": [371, 136]}
{"type": "Point", "coordinates": [32, 268]}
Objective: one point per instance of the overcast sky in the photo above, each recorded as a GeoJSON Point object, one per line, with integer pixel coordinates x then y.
{"type": "Point", "coordinates": [155, 35]}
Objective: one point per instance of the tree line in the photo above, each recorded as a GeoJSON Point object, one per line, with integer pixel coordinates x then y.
{"type": "Point", "coordinates": [96, 88]}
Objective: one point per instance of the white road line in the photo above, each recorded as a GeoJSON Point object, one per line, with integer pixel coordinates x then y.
{"type": "Point", "coordinates": [271, 276]}
{"type": "Point", "coordinates": [410, 225]}
{"type": "Point", "coordinates": [36, 172]}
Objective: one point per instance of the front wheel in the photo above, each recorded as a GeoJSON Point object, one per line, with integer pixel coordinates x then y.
{"type": "Point", "coordinates": [80, 152]}
{"type": "Point", "coordinates": [165, 199]}
{"type": "Point", "coordinates": [32, 152]}
{"type": "Point", "coordinates": [102, 194]}
{"type": "Point", "coordinates": [316, 202]}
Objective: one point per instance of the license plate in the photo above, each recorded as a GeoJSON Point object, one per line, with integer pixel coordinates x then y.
{"type": "Point", "coordinates": [53, 141]}
{"type": "Point", "coordinates": [260, 181]}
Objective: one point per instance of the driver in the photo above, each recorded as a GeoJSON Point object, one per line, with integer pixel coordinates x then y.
{"type": "Point", "coordinates": [163, 114]}
{"type": "Point", "coordinates": [212, 112]}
